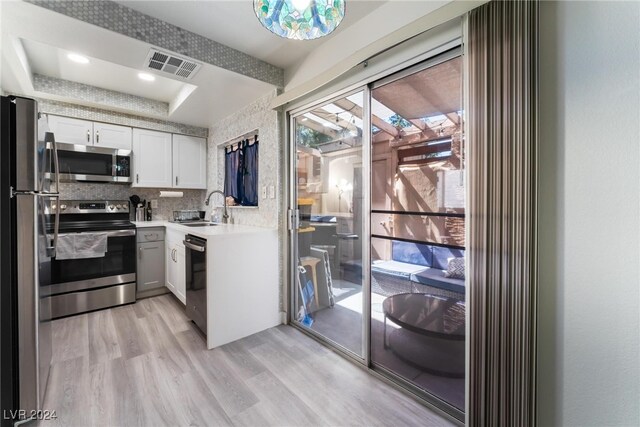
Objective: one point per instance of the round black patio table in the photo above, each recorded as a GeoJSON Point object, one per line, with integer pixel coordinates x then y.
{"type": "Point", "coordinates": [439, 323]}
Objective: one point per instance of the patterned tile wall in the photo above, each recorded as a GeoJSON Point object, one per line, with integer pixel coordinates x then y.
{"type": "Point", "coordinates": [109, 98]}
{"type": "Point", "coordinates": [121, 19]}
{"type": "Point", "coordinates": [192, 199]}
{"type": "Point", "coordinates": [256, 116]}
{"type": "Point", "coordinates": [118, 118]}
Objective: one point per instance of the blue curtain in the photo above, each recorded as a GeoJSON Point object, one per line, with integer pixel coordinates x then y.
{"type": "Point", "coordinates": [241, 173]}
{"type": "Point", "coordinates": [250, 175]}
{"type": "Point", "coordinates": [231, 161]}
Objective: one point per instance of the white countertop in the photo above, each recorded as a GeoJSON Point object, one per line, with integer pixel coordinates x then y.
{"type": "Point", "coordinates": [207, 231]}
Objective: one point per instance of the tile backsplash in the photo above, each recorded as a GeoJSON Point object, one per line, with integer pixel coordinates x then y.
{"type": "Point", "coordinates": [192, 199]}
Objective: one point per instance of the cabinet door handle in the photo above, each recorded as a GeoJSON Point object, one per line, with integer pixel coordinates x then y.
{"type": "Point", "coordinates": [88, 135]}
{"type": "Point", "coordinates": [149, 236]}
{"type": "Point", "coordinates": [137, 179]}
{"type": "Point", "coordinates": [97, 137]}
{"type": "Point", "coordinates": [176, 180]}
{"type": "Point", "coordinates": [140, 252]}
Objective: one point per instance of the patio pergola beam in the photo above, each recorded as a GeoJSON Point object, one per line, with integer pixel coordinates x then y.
{"type": "Point", "coordinates": [351, 107]}
{"type": "Point", "coordinates": [312, 124]}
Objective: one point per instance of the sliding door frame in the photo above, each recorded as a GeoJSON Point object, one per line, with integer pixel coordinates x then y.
{"type": "Point", "coordinates": [392, 74]}
{"type": "Point", "coordinates": [431, 398]}
{"type": "Point", "coordinates": [363, 360]}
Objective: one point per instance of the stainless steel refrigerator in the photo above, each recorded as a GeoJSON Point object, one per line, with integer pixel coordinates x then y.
{"type": "Point", "coordinates": [27, 151]}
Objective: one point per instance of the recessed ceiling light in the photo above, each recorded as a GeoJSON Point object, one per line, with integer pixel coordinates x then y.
{"type": "Point", "coordinates": [78, 58]}
{"type": "Point", "coordinates": [147, 77]}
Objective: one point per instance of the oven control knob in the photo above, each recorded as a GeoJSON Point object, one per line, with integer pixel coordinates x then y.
{"type": "Point", "coordinates": [111, 207]}
{"type": "Point", "coordinates": [118, 206]}
{"type": "Point", "coordinates": [53, 207]}
{"type": "Point", "coordinates": [63, 207]}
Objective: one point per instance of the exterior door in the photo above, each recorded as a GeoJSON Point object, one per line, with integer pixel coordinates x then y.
{"type": "Point", "coordinates": [329, 240]}
{"type": "Point", "coordinates": [417, 237]}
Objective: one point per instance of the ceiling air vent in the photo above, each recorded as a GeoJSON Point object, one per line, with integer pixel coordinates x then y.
{"type": "Point", "coordinates": [171, 64]}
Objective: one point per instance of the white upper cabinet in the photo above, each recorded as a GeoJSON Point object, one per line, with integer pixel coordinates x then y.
{"type": "Point", "coordinates": [189, 162]}
{"type": "Point", "coordinates": [71, 131]}
{"type": "Point", "coordinates": [160, 159]}
{"type": "Point", "coordinates": [84, 132]}
{"type": "Point", "coordinates": [151, 159]}
{"type": "Point", "coordinates": [111, 136]}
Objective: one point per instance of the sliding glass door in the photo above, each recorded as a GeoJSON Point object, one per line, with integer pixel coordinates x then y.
{"type": "Point", "coordinates": [378, 241]}
{"type": "Point", "coordinates": [328, 285]}
{"type": "Point", "coordinates": [418, 230]}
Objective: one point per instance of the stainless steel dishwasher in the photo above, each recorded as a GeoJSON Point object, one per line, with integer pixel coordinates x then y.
{"type": "Point", "coordinates": [196, 266]}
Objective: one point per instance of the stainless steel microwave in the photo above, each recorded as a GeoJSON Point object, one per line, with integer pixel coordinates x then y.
{"type": "Point", "coordinates": [85, 163]}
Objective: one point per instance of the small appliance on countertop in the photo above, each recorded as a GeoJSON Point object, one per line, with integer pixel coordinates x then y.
{"type": "Point", "coordinates": [191, 215]}
{"type": "Point", "coordinates": [95, 265]}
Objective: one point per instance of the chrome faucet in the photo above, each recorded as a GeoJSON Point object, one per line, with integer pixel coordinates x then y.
{"type": "Point", "coordinates": [225, 215]}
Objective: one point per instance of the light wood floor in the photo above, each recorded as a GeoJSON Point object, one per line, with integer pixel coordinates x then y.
{"type": "Point", "coordinates": [145, 365]}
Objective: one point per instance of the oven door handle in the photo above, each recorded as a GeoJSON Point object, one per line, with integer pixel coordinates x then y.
{"type": "Point", "coordinates": [112, 233]}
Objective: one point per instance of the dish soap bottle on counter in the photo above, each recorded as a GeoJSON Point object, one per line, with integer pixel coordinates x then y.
{"type": "Point", "coordinates": [148, 211]}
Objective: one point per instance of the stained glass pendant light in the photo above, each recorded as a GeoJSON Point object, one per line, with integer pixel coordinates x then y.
{"type": "Point", "coordinates": [300, 19]}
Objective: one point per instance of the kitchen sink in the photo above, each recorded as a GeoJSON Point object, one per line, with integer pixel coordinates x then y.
{"type": "Point", "coordinates": [200, 224]}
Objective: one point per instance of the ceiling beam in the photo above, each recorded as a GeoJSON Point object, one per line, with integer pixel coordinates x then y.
{"type": "Point", "coordinates": [136, 25]}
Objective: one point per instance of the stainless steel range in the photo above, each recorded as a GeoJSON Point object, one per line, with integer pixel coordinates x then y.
{"type": "Point", "coordinates": [95, 263]}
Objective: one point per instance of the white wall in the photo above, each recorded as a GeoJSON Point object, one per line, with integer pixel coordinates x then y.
{"type": "Point", "coordinates": [381, 21]}
{"type": "Point", "coordinates": [268, 122]}
{"type": "Point", "coordinates": [589, 300]}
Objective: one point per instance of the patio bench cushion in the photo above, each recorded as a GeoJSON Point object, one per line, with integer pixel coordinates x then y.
{"type": "Point", "coordinates": [396, 268]}
{"type": "Point", "coordinates": [435, 277]}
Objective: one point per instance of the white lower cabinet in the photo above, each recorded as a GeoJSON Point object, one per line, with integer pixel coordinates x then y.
{"type": "Point", "coordinates": [181, 282]}
{"type": "Point", "coordinates": [176, 272]}
{"type": "Point", "coordinates": [171, 268]}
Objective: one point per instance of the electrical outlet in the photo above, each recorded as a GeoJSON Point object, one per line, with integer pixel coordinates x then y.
{"type": "Point", "coordinates": [264, 191]}
{"type": "Point", "coordinates": [272, 192]}
{"type": "Point", "coordinates": [154, 203]}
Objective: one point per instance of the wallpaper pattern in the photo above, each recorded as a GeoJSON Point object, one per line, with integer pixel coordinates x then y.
{"type": "Point", "coordinates": [117, 118]}
{"type": "Point", "coordinates": [109, 98]}
{"type": "Point", "coordinates": [123, 20]}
